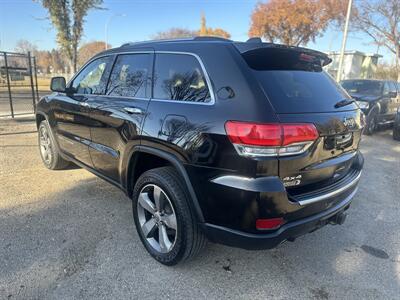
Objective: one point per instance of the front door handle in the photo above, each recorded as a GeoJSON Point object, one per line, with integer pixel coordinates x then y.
{"type": "Point", "coordinates": [84, 104]}
{"type": "Point", "coordinates": [133, 110]}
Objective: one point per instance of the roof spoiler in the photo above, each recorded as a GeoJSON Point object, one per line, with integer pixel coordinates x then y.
{"type": "Point", "coordinates": [254, 44]}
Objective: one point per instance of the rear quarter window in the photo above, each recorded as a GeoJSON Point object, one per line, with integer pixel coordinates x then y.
{"type": "Point", "coordinates": [179, 77]}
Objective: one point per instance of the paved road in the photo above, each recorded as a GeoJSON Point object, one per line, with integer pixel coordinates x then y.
{"type": "Point", "coordinates": [22, 102]}
{"type": "Point", "coordinates": [69, 235]}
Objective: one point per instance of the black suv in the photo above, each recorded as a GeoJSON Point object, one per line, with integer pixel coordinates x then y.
{"type": "Point", "coordinates": [396, 126]}
{"type": "Point", "coordinates": [248, 144]}
{"type": "Point", "coordinates": [378, 99]}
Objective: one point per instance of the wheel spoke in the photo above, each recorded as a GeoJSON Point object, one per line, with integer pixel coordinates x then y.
{"type": "Point", "coordinates": [163, 240]}
{"type": "Point", "coordinates": [149, 227]}
{"type": "Point", "coordinates": [146, 203]}
{"type": "Point", "coordinates": [158, 198]}
{"type": "Point", "coordinates": [170, 221]}
{"type": "Point", "coordinates": [48, 152]}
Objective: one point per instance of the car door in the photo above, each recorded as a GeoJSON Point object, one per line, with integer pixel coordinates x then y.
{"type": "Point", "coordinates": [182, 97]}
{"type": "Point", "coordinates": [119, 113]}
{"type": "Point", "coordinates": [70, 111]}
{"type": "Point", "coordinates": [385, 102]}
{"type": "Point", "coordinates": [394, 98]}
{"type": "Point", "coordinates": [398, 96]}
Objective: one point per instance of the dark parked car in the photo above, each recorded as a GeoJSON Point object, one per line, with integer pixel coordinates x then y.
{"type": "Point", "coordinates": [396, 126]}
{"type": "Point", "coordinates": [378, 99]}
{"type": "Point", "coordinates": [248, 144]}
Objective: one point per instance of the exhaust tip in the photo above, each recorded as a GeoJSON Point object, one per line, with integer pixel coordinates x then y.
{"type": "Point", "coordinates": [338, 219]}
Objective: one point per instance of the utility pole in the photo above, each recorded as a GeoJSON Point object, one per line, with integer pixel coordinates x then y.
{"type": "Point", "coordinates": [346, 28]}
{"type": "Point", "coordinates": [106, 27]}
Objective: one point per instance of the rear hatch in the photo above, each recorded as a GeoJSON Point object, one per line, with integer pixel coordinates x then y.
{"type": "Point", "coordinates": [301, 92]}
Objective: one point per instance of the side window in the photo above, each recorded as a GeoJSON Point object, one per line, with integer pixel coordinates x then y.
{"type": "Point", "coordinates": [89, 80]}
{"type": "Point", "coordinates": [386, 88]}
{"type": "Point", "coordinates": [129, 75]}
{"type": "Point", "coordinates": [392, 86]}
{"type": "Point", "coordinates": [179, 77]}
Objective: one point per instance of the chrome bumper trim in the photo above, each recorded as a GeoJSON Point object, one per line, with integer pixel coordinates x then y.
{"type": "Point", "coordinates": [330, 194]}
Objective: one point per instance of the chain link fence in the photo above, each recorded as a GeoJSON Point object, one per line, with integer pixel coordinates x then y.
{"type": "Point", "coordinates": [19, 89]}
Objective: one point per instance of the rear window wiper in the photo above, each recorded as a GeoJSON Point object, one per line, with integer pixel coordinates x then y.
{"type": "Point", "coordinates": [344, 102]}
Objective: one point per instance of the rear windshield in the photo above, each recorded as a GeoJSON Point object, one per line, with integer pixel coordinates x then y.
{"type": "Point", "coordinates": [295, 82]}
{"type": "Point", "coordinates": [367, 87]}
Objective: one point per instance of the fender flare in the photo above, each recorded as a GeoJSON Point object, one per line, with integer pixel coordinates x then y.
{"type": "Point", "coordinates": [39, 113]}
{"type": "Point", "coordinates": [178, 165]}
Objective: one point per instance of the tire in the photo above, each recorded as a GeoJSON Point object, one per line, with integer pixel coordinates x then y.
{"type": "Point", "coordinates": [48, 148]}
{"type": "Point", "coordinates": [187, 239]}
{"type": "Point", "coordinates": [372, 124]}
{"type": "Point", "coordinates": [396, 133]}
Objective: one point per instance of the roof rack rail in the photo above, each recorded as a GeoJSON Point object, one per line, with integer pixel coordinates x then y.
{"type": "Point", "coordinates": [156, 41]}
{"type": "Point", "coordinates": [211, 38]}
{"type": "Point", "coordinates": [196, 38]}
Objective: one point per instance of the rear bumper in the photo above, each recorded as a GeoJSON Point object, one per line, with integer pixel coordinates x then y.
{"type": "Point", "coordinates": [232, 204]}
{"type": "Point", "coordinates": [291, 230]}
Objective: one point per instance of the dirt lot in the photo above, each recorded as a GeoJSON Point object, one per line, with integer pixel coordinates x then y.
{"type": "Point", "coordinates": [68, 234]}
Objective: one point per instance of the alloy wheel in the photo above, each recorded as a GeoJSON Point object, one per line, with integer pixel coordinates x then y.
{"type": "Point", "coordinates": [372, 125]}
{"type": "Point", "coordinates": [45, 145]}
{"type": "Point", "coordinates": [157, 218]}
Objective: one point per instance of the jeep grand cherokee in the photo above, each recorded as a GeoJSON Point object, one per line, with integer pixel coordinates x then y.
{"type": "Point", "coordinates": [248, 144]}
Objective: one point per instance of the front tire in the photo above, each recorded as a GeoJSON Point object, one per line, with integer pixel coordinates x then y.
{"type": "Point", "coordinates": [372, 123]}
{"type": "Point", "coordinates": [49, 151]}
{"type": "Point", "coordinates": [164, 221]}
{"type": "Point", "coordinates": [396, 133]}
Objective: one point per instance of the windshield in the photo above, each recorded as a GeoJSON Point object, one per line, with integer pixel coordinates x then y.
{"type": "Point", "coordinates": [301, 91]}
{"type": "Point", "coordinates": [367, 87]}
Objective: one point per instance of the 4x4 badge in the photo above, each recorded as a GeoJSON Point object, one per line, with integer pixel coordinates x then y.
{"type": "Point", "coordinates": [292, 180]}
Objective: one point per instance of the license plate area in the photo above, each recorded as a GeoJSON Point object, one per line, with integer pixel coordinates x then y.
{"type": "Point", "coordinates": [338, 141]}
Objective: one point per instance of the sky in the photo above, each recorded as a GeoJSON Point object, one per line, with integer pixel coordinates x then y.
{"type": "Point", "coordinates": [26, 19]}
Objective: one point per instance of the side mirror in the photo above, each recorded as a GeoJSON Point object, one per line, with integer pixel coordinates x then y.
{"type": "Point", "coordinates": [58, 84]}
{"type": "Point", "coordinates": [392, 94]}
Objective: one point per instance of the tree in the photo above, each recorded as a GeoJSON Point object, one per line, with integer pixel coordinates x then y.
{"type": "Point", "coordinates": [43, 61]}
{"type": "Point", "coordinates": [57, 62]}
{"type": "Point", "coordinates": [46, 61]}
{"type": "Point", "coordinates": [86, 51]}
{"type": "Point", "coordinates": [386, 71]}
{"type": "Point", "coordinates": [174, 33]}
{"type": "Point", "coordinates": [294, 22]}
{"type": "Point", "coordinates": [24, 46]}
{"type": "Point", "coordinates": [68, 17]}
{"type": "Point", "coordinates": [177, 32]}
{"type": "Point", "coordinates": [208, 31]}
{"type": "Point", "coordinates": [50, 62]}
{"type": "Point", "coordinates": [380, 19]}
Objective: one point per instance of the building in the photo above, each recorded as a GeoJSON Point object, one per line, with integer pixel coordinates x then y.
{"type": "Point", "coordinates": [356, 64]}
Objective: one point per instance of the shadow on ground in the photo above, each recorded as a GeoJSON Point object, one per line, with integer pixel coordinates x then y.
{"type": "Point", "coordinates": [69, 234]}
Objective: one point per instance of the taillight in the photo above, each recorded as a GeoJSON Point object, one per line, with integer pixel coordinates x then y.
{"type": "Point", "coordinates": [253, 139]}
{"type": "Point", "coordinates": [254, 134]}
{"type": "Point", "coordinates": [297, 133]}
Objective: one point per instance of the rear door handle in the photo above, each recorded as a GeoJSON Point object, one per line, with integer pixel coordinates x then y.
{"type": "Point", "coordinates": [133, 110]}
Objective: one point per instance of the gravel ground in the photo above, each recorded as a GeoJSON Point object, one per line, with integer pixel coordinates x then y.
{"type": "Point", "coordinates": [70, 235]}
